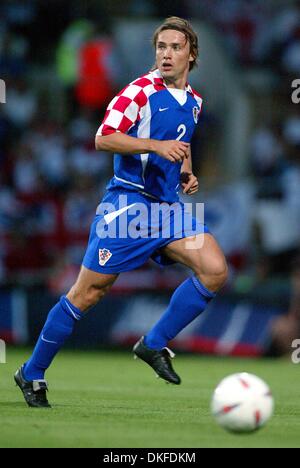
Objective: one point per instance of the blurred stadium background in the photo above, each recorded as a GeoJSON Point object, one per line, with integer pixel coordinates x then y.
{"type": "Point", "coordinates": [62, 61]}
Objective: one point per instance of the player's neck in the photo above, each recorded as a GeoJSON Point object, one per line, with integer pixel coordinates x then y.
{"type": "Point", "coordinates": [179, 83]}
{"type": "Point", "coordinates": [175, 82]}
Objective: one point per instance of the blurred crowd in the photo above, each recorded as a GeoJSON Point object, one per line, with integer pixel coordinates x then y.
{"type": "Point", "coordinates": [51, 178]}
{"type": "Point", "coordinates": [255, 32]}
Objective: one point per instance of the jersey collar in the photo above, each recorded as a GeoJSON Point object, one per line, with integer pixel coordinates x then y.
{"type": "Point", "coordinates": [159, 80]}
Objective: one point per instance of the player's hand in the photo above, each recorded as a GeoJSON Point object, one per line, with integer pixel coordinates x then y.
{"type": "Point", "coordinates": [189, 183]}
{"type": "Point", "coordinates": [172, 150]}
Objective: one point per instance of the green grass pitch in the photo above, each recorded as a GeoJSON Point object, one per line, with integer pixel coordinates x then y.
{"type": "Point", "coordinates": [106, 399]}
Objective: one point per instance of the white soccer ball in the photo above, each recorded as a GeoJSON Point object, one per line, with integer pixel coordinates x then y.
{"type": "Point", "coordinates": [242, 403]}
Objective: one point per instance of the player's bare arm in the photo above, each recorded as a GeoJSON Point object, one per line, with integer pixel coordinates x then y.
{"type": "Point", "coordinates": [189, 181]}
{"type": "Point", "coordinates": [172, 150]}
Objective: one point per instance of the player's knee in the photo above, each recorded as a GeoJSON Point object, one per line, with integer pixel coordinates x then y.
{"type": "Point", "coordinates": [215, 275]}
{"type": "Point", "coordinates": [221, 274]}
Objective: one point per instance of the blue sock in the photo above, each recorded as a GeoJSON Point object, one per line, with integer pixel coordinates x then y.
{"type": "Point", "coordinates": [58, 327]}
{"type": "Point", "coordinates": [187, 302]}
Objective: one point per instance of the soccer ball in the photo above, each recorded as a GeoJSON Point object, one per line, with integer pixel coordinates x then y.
{"type": "Point", "coordinates": [242, 403]}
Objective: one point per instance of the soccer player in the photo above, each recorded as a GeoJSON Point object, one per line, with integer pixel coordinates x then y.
{"type": "Point", "coordinates": [148, 126]}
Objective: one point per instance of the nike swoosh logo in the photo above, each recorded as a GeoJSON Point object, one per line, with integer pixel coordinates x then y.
{"type": "Point", "coordinates": [48, 341]}
{"type": "Point", "coordinates": [161, 109]}
{"type": "Point", "coordinates": [111, 216]}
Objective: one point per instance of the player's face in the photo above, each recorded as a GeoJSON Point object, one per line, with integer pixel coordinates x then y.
{"type": "Point", "coordinates": [173, 56]}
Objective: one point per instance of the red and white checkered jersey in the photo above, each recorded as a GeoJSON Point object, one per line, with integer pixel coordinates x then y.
{"type": "Point", "coordinates": [127, 107]}
{"type": "Point", "coordinates": [147, 108]}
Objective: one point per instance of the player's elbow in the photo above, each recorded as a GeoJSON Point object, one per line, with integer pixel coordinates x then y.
{"type": "Point", "coordinates": [105, 142]}
{"type": "Point", "coordinates": [99, 143]}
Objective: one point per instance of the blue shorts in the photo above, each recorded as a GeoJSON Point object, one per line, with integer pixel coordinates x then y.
{"type": "Point", "coordinates": [130, 227]}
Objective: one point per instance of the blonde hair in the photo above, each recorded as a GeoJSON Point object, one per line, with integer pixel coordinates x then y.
{"type": "Point", "coordinates": [182, 25]}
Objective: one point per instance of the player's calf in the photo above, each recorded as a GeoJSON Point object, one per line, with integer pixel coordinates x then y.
{"type": "Point", "coordinates": [90, 288]}
{"type": "Point", "coordinates": [84, 299]}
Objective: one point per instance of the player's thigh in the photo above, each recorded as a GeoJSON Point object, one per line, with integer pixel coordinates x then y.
{"type": "Point", "coordinates": [201, 253]}
{"type": "Point", "coordinates": [90, 287]}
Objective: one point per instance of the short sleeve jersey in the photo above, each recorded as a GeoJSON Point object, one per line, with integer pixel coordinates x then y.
{"type": "Point", "coordinates": [146, 108]}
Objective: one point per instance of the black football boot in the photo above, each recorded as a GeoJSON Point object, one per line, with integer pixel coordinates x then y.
{"type": "Point", "coordinates": [160, 361]}
{"type": "Point", "coordinates": [34, 392]}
